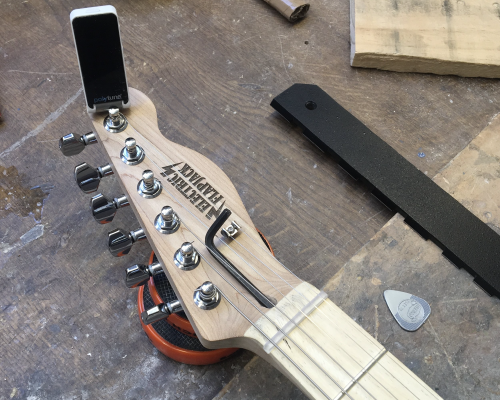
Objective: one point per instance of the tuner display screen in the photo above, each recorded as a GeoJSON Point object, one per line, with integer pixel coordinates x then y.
{"type": "Point", "coordinates": [99, 49]}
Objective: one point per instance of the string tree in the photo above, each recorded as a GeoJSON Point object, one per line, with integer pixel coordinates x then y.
{"type": "Point", "coordinates": [231, 231]}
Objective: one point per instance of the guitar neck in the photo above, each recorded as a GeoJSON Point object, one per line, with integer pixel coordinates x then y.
{"type": "Point", "coordinates": [328, 355]}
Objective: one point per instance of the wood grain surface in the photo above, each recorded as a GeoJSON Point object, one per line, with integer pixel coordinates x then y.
{"type": "Point", "coordinates": [69, 327]}
{"type": "Point", "coordinates": [440, 37]}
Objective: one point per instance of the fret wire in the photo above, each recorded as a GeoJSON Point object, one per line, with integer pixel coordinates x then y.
{"type": "Point", "coordinates": [162, 156]}
{"type": "Point", "coordinates": [362, 373]}
{"type": "Point", "coordinates": [274, 344]}
{"type": "Point", "coordinates": [319, 327]}
{"type": "Point", "coordinates": [258, 328]}
{"type": "Point", "coordinates": [328, 317]}
{"type": "Point", "coordinates": [425, 387]}
{"type": "Point", "coordinates": [306, 316]}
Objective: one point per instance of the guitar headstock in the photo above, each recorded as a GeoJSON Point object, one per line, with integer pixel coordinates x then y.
{"type": "Point", "coordinates": [193, 218]}
{"type": "Point", "coordinates": [233, 290]}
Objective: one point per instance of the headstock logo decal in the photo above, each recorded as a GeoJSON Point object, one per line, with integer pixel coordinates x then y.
{"type": "Point", "coordinates": [194, 187]}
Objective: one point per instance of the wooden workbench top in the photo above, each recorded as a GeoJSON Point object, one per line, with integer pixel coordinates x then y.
{"type": "Point", "coordinates": [69, 327]}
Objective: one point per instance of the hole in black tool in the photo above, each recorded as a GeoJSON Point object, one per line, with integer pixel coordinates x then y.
{"type": "Point", "coordinates": [311, 105]}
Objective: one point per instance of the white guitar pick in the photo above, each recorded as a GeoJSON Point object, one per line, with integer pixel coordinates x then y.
{"type": "Point", "coordinates": [409, 311]}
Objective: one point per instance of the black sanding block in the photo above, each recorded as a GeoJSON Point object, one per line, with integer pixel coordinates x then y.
{"type": "Point", "coordinates": [464, 239]}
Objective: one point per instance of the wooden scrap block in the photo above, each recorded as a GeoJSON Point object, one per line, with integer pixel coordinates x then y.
{"type": "Point", "coordinates": [445, 37]}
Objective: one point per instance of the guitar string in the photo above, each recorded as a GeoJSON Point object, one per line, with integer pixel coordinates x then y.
{"type": "Point", "coordinates": [263, 314]}
{"type": "Point", "coordinates": [357, 327]}
{"type": "Point", "coordinates": [159, 154]}
{"type": "Point", "coordinates": [297, 325]}
{"type": "Point", "coordinates": [330, 356]}
{"type": "Point", "coordinates": [175, 185]}
{"type": "Point", "coordinates": [281, 311]}
{"type": "Point", "coordinates": [425, 387]}
{"type": "Point", "coordinates": [275, 345]}
{"type": "Point", "coordinates": [272, 322]}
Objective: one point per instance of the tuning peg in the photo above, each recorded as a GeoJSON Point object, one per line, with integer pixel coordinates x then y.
{"type": "Point", "coordinates": [104, 210]}
{"type": "Point", "coordinates": [207, 296]}
{"type": "Point", "coordinates": [115, 121]}
{"type": "Point", "coordinates": [167, 221]}
{"type": "Point", "coordinates": [132, 153]}
{"type": "Point", "coordinates": [186, 258]}
{"type": "Point", "coordinates": [73, 144]}
{"type": "Point", "coordinates": [88, 177]}
{"type": "Point", "coordinates": [138, 275]}
{"type": "Point", "coordinates": [120, 242]}
{"type": "Point", "coordinates": [161, 311]}
{"type": "Point", "coordinates": [149, 187]}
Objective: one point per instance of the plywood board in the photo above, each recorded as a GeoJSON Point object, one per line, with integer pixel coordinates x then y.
{"type": "Point", "coordinates": [450, 37]}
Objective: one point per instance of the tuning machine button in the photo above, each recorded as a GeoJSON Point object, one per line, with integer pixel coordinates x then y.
{"type": "Point", "coordinates": [120, 242]}
{"type": "Point", "coordinates": [138, 275]}
{"type": "Point", "coordinates": [187, 258]}
{"type": "Point", "coordinates": [88, 177]}
{"type": "Point", "coordinates": [115, 121]}
{"type": "Point", "coordinates": [132, 154]}
{"type": "Point", "coordinates": [73, 144]}
{"type": "Point", "coordinates": [149, 187]}
{"type": "Point", "coordinates": [104, 210]}
{"type": "Point", "coordinates": [207, 296]}
{"type": "Point", "coordinates": [167, 221]}
{"type": "Point", "coordinates": [161, 311]}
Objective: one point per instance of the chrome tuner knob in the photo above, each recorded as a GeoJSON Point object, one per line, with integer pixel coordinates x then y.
{"type": "Point", "coordinates": [149, 187]}
{"type": "Point", "coordinates": [88, 177]}
{"type": "Point", "coordinates": [73, 144]}
{"type": "Point", "coordinates": [115, 121]}
{"type": "Point", "coordinates": [120, 242]}
{"type": "Point", "coordinates": [104, 210]}
{"type": "Point", "coordinates": [207, 296]}
{"type": "Point", "coordinates": [138, 275]}
{"type": "Point", "coordinates": [167, 221]}
{"type": "Point", "coordinates": [132, 154]}
{"type": "Point", "coordinates": [187, 258]}
{"type": "Point", "coordinates": [161, 311]}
